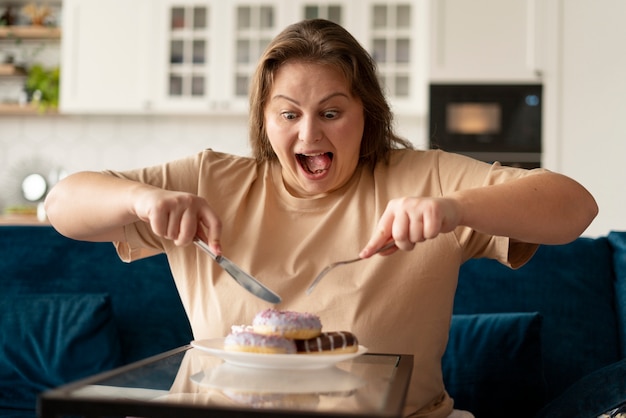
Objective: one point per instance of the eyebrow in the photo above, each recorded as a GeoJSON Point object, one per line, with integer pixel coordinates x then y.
{"type": "Point", "coordinates": [324, 99]}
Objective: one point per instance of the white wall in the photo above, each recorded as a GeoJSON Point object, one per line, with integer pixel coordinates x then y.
{"type": "Point", "coordinates": [593, 105]}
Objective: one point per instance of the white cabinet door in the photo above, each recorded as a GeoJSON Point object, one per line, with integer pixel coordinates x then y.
{"type": "Point", "coordinates": [106, 56]}
{"type": "Point", "coordinates": [207, 52]}
{"type": "Point", "coordinates": [486, 40]}
{"type": "Point", "coordinates": [395, 34]}
{"type": "Point", "coordinates": [253, 25]}
{"type": "Point", "coordinates": [184, 41]}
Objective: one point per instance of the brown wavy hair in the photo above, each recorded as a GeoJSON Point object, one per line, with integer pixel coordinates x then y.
{"type": "Point", "coordinates": [324, 42]}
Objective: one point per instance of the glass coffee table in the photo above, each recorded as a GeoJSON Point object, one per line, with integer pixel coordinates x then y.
{"type": "Point", "coordinates": [195, 382]}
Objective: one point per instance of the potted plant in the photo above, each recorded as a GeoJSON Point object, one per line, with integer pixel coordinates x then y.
{"type": "Point", "coordinates": [42, 87]}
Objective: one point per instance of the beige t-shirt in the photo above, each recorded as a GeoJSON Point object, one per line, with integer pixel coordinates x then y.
{"type": "Point", "coordinates": [396, 304]}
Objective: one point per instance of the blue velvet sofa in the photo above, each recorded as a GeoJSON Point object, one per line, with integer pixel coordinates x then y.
{"type": "Point", "coordinates": [547, 340]}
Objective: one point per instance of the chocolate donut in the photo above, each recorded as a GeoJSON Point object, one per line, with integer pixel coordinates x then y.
{"type": "Point", "coordinates": [292, 325]}
{"type": "Point", "coordinates": [256, 343]}
{"type": "Point", "coordinates": [329, 343]}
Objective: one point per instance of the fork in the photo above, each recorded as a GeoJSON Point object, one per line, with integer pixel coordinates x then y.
{"type": "Point", "coordinates": [341, 263]}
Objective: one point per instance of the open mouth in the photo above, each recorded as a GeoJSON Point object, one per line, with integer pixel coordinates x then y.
{"type": "Point", "coordinates": [315, 163]}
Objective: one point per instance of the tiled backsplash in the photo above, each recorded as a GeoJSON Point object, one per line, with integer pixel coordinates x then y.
{"type": "Point", "coordinates": [52, 144]}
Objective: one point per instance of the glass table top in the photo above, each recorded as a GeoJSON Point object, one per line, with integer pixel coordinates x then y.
{"type": "Point", "coordinates": [191, 382]}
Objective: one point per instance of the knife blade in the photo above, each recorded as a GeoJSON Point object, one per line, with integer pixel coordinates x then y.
{"type": "Point", "coordinates": [246, 281]}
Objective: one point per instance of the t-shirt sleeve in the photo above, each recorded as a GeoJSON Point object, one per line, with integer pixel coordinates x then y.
{"type": "Point", "coordinates": [519, 253]}
{"type": "Point", "coordinates": [478, 174]}
{"type": "Point", "coordinates": [138, 245]}
{"type": "Point", "coordinates": [181, 175]}
{"type": "Point", "coordinates": [209, 174]}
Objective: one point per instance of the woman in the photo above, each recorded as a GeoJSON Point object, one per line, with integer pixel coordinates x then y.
{"type": "Point", "coordinates": [329, 180]}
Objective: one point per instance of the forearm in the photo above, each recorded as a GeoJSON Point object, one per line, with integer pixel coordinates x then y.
{"type": "Point", "coordinates": [545, 208]}
{"type": "Point", "coordinates": [92, 206]}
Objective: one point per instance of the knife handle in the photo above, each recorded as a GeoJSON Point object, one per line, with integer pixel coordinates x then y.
{"type": "Point", "coordinates": [205, 247]}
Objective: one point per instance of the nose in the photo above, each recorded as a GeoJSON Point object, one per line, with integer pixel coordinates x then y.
{"type": "Point", "coordinates": [310, 130]}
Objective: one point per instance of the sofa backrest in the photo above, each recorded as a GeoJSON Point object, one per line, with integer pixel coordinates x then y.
{"type": "Point", "coordinates": [618, 242]}
{"type": "Point", "coordinates": [145, 303]}
{"type": "Point", "coordinates": [573, 287]}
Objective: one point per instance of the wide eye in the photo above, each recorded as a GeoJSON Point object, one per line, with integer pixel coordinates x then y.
{"type": "Point", "coordinates": [288, 115]}
{"type": "Point", "coordinates": [330, 114]}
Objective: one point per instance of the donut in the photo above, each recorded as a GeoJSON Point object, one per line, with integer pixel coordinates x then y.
{"type": "Point", "coordinates": [252, 342]}
{"type": "Point", "coordinates": [337, 342]}
{"type": "Point", "coordinates": [291, 325]}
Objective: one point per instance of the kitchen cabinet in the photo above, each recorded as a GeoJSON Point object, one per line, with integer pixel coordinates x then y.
{"type": "Point", "coordinates": [207, 51]}
{"type": "Point", "coordinates": [395, 33]}
{"type": "Point", "coordinates": [163, 56]}
{"type": "Point", "coordinates": [487, 40]}
{"type": "Point", "coordinates": [186, 56]}
{"type": "Point", "coordinates": [106, 56]}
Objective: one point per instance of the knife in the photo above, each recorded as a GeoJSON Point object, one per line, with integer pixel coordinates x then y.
{"type": "Point", "coordinates": [248, 282]}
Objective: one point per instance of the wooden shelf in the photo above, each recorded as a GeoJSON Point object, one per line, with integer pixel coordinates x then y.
{"type": "Point", "coordinates": [29, 32]}
{"type": "Point", "coordinates": [8, 70]}
{"type": "Point", "coordinates": [10, 109]}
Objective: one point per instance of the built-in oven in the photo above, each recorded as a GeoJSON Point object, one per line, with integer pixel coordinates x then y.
{"type": "Point", "coordinates": [488, 122]}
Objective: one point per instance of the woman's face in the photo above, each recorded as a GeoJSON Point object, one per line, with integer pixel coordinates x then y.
{"type": "Point", "coordinates": [315, 127]}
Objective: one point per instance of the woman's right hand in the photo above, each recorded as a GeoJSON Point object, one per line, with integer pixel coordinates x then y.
{"type": "Point", "coordinates": [178, 216]}
{"type": "Point", "coordinates": [93, 206]}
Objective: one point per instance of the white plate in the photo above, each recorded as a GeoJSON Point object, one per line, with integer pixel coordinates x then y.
{"type": "Point", "coordinates": [254, 380]}
{"type": "Point", "coordinates": [215, 346]}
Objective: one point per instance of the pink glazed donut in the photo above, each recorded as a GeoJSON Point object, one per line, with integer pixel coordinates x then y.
{"type": "Point", "coordinates": [291, 325]}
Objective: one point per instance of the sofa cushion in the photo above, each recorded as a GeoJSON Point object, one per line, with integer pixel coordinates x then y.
{"type": "Point", "coordinates": [572, 286]}
{"type": "Point", "coordinates": [18, 413]}
{"type": "Point", "coordinates": [593, 395]}
{"type": "Point", "coordinates": [148, 311]}
{"type": "Point", "coordinates": [493, 361]}
{"type": "Point", "coordinates": [49, 340]}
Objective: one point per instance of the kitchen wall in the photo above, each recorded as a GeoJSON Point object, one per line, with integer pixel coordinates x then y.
{"type": "Point", "coordinates": [585, 138]}
{"type": "Point", "coordinates": [72, 143]}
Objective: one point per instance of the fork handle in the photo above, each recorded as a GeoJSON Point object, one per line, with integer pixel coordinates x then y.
{"type": "Point", "coordinates": [386, 247]}
{"type": "Point", "coordinates": [341, 263]}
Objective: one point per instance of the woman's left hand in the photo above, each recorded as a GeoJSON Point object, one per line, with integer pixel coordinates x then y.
{"type": "Point", "coordinates": [410, 220]}
{"type": "Point", "coordinates": [543, 208]}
